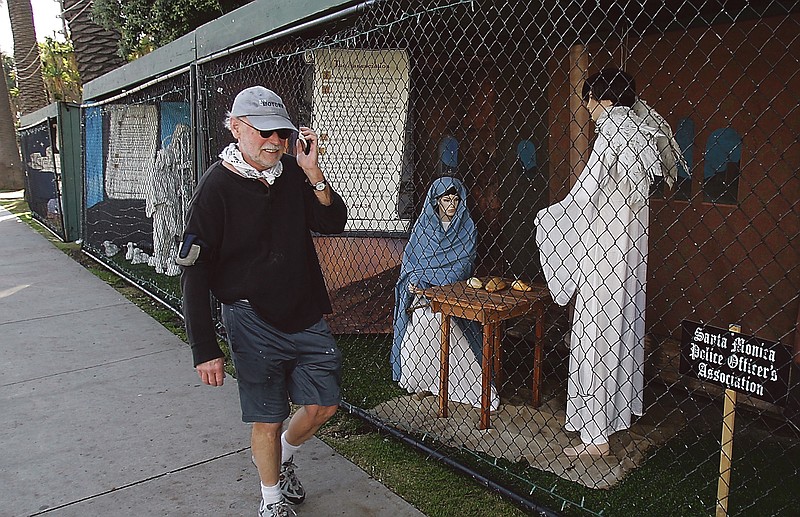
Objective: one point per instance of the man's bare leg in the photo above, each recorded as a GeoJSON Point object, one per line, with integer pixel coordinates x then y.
{"type": "Point", "coordinates": [265, 443]}
{"type": "Point", "coordinates": [305, 422]}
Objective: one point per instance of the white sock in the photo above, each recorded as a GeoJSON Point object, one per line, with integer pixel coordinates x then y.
{"type": "Point", "coordinates": [287, 449]}
{"type": "Point", "coordinates": [271, 494]}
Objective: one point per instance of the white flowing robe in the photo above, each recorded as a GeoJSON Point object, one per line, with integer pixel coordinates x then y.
{"type": "Point", "coordinates": [593, 247]}
{"type": "Point", "coordinates": [420, 356]}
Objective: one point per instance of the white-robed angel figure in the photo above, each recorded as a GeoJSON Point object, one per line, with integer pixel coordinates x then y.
{"type": "Point", "coordinates": [441, 250]}
{"type": "Point", "coordinates": [593, 249]}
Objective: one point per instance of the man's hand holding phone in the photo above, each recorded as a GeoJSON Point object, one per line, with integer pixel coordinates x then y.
{"type": "Point", "coordinates": [307, 155]}
{"type": "Point", "coordinates": [306, 140]}
{"type": "Point", "coordinates": [308, 159]}
{"type": "Point", "coordinates": [304, 147]}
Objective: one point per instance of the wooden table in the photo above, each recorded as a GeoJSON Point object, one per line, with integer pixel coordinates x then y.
{"type": "Point", "coordinates": [491, 310]}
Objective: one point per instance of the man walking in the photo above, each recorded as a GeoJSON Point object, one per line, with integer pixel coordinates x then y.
{"type": "Point", "coordinates": [247, 241]}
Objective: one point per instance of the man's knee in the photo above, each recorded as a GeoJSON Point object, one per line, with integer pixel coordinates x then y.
{"type": "Point", "coordinates": [321, 414]}
{"type": "Point", "coordinates": [268, 430]}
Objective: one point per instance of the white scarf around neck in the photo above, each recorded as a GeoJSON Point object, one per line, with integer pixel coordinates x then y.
{"type": "Point", "coordinates": [233, 155]}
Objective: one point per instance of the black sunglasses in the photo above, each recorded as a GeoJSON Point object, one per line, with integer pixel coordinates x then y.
{"type": "Point", "coordinates": [283, 134]}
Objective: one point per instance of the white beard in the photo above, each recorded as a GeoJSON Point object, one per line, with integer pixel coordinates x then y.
{"type": "Point", "coordinates": [233, 155]}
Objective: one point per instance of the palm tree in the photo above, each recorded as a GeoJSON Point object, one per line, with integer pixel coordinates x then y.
{"type": "Point", "coordinates": [32, 95]}
{"type": "Point", "coordinates": [95, 47]}
{"type": "Point", "coordinates": [11, 175]}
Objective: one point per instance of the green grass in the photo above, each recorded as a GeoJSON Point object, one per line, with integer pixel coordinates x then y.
{"type": "Point", "coordinates": [427, 484]}
{"type": "Point", "coordinates": [366, 372]}
{"type": "Point", "coordinates": [679, 478]}
{"type": "Point", "coordinates": [433, 488]}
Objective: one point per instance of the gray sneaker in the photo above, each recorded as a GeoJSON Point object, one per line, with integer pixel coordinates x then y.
{"type": "Point", "coordinates": [279, 509]}
{"type": "Point", "coordinates": [291, 488]}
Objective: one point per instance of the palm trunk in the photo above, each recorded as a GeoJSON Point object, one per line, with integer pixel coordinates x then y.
{"type": "Point", "coordinates": [11, 175]}
{"type": "Point", "coordinates": [32, 94]}
{"type": "Point", "coordinates": [95, 47]}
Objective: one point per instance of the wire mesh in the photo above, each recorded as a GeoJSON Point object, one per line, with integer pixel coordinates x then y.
{"type": "Point", "coordinates": [590, 232]}
{"type": "Point", "coordinates": [43, 175]}
{"type": "Point", "coordinates": [138, 180]}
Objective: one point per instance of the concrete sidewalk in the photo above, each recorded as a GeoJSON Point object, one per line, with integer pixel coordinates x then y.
{"type": "Point", "coordinates": [103, 414]}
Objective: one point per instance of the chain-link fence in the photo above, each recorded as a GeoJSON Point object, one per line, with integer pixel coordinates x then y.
{"type": "Point", "coordinates": [580, 230]}
{"type": "Point", "coordinates": [43, 175]}
{"type": "Point", "coordinates": [138, 180]}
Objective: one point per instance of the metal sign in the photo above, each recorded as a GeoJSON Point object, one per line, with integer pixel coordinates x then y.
{"type": "Point", "coordinates": [360, 111]}
{"type": "Point", "coordinates": [746, 364]}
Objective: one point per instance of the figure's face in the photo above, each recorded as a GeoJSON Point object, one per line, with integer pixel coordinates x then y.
{"type": "Point", "coordinates": [447, 206]}
{"type": "Point", "coordinates": [596, 108]}
{"type": "Point", "coordinates": [261, 153]}
{"type": "Point", "coordinates": [593, 107]}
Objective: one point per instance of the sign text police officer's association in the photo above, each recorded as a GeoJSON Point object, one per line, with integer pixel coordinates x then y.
{"type": "Point", "coordinates": [746, 364]}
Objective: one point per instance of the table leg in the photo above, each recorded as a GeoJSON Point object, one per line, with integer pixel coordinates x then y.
{"type": "Point", "coordinates": [444, 366]}
{"type": "Point", "coordinates": [537, 355]}
{"type": "Point", "coordinates": [498, 355]}
{"type": "Point", "coordinates": [489, 330]}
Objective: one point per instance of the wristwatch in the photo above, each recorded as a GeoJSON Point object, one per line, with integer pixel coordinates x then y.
{"type": "Point", "coordinates": [320, 185]}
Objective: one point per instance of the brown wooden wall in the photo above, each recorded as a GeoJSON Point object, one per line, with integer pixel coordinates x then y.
{"type": "Point", "coordinates": [712, 262]}
{"type": "Point", "coordinates": [346, 260]}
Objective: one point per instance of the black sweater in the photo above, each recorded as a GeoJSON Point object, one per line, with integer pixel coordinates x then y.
{"type": "Point", "coordinates": [256, 245]}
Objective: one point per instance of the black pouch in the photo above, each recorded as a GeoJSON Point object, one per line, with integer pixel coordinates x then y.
{"type": "Point", "coordinates": [189, 252]}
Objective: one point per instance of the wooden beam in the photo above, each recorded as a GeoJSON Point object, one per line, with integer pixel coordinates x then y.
{"type": "Point", "coordinates": [579, 121]}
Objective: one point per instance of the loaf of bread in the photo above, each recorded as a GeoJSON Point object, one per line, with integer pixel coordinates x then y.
{"type": "Point", "coordinates": [475, 282]}
{"type": "Point", "coordinates": [495, 284]}
{"type": "Point", "coordinates": [519, 285]}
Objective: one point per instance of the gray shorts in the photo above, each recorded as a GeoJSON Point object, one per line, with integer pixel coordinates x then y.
{"type": "Point", "coordinates": [273, 366]}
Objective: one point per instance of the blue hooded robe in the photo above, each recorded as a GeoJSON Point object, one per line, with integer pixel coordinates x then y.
{"type": "Point", "coordinates": [434, 256]}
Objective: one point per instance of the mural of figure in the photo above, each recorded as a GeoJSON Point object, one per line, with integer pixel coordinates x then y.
{"type": "Point", "coordinates": [440, 250]}
{"type": "Point", "coordinates": [166, 196]}
{"type": "Point", "coordinates": [593, 248]}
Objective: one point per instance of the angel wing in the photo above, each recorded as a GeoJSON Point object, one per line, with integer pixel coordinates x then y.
{"type": "Point", "coordinates": [668, 148]}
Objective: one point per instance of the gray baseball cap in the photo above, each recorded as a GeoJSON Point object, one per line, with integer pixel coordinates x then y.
{"type": "Point", "coordinates": [263, 109]}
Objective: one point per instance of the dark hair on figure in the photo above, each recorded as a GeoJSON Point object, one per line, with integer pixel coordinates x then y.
{"type": "Point", "coordinates": [610, 84]}
{"type": "Point", "coordinates": [449, 192]}
{"type": "Point", "coordinates": [453, 190]}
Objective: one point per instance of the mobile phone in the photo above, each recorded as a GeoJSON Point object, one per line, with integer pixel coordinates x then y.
{"type": "Point", "coordinates": [304, 143]}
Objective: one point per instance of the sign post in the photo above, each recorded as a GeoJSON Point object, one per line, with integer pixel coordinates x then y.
{"type": "Point", "coordinates": [738, 363]}
{"type": "Point", "coordinates": [728, 417]}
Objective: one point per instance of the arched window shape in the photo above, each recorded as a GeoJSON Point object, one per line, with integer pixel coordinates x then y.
{"type": "Point", "coordinates": [93, 156]}
{"type": "Point", "coordinates": [684, 135]}
{"type": "Point", "coordinates": [526, 153]}
{"type": "Point", "coordinates": [448, 156]}
{"type": "Point", "coordinates": [722, 160]}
